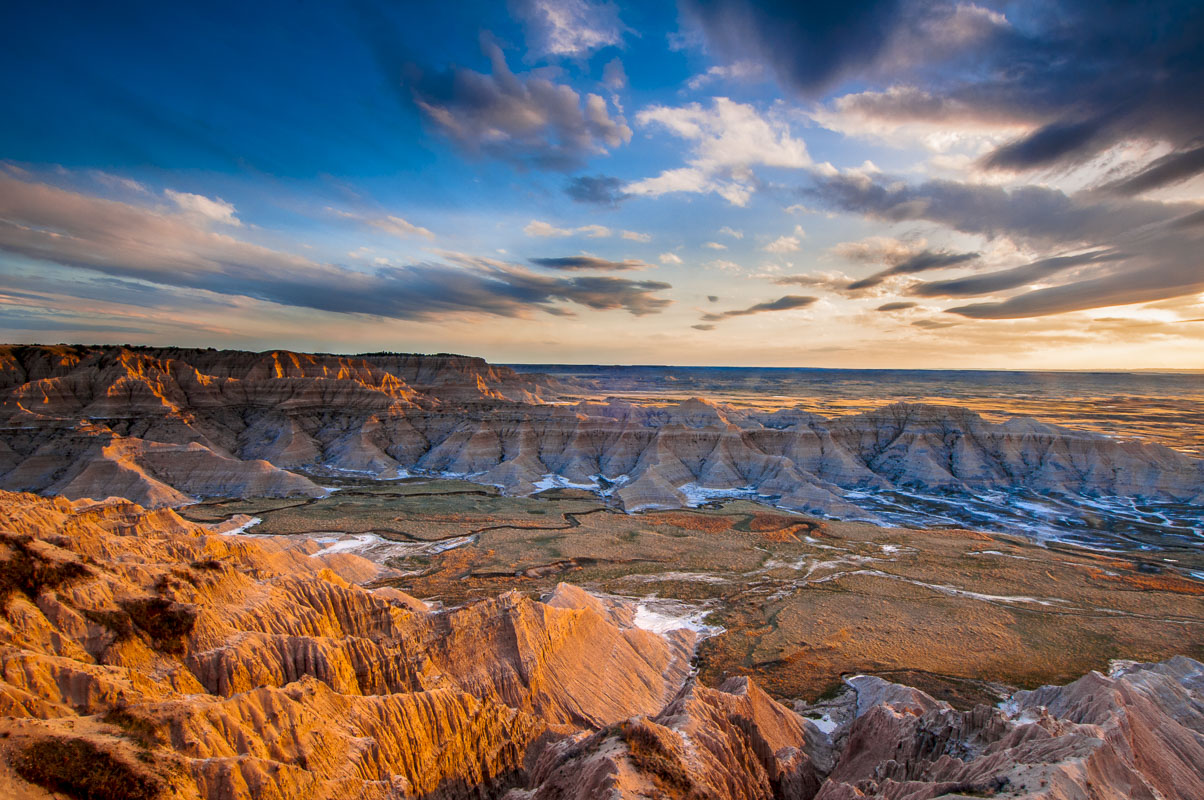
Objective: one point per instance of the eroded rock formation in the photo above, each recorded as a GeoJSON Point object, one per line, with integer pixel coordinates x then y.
{"type": "Point", "coordinates": [162, 426]}
{"type": "Point", "coordinates": [141, 649]}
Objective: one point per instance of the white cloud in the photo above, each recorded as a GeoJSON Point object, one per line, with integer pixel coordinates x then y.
{"type": "Point", "coordinates": [636, 236]}
{"type": "Point", "coordinates": [715, 246]}
{"type": "Point", "coordinates": [545, 230]}
{"type": "Point", "coordinates": [670, 258]}
{"type": "Point", "coordinates": [783, 244]}
{"type": "Point", "coordinates": [729, 139]}
{"type": "Point", "coordinates": [740, 70]}
{"type": "Point", "coordinates": [538, 227]}
{"type": "Point", "coordinates": [389, 223]}
{"type": "Point", "coordinates": [732, 232]}
{"type": "Point", "coordinates": [204, 208]}
{"type": "Point", "coordinates": [572, 27]}
{"type": "Point", "coordinates": [400, 227]}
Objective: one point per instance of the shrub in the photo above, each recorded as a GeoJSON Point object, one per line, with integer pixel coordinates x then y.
{"type": "Point", "coordinates": [140, 729]}
{"type": "Point", "coordinates": [117, 621]}
{"type": "Point", "coordinates": [650, 755]}
{"type": "Point", "coordinates": [81, 770]}
{"type": "Point", "coordinates": [29, 573]}
{"type": "Point", "coordinates": [166, 622]}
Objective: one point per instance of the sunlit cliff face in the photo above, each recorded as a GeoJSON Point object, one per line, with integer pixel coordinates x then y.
{"type": "Point", "coordinates": [896, 184]}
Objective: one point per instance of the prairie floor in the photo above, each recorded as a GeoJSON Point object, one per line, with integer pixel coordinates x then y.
{"type": "Point", "coordinates": [802, 601]}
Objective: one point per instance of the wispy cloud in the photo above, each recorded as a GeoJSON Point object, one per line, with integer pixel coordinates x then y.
{"type": "Point", "coordinates": [787, 303]}
{"type": "Point", "coordinates": [389, 223]}
{"type": "Point", "coordinates": [584, 262]}
{"type": "Point", "coordinates": [173, 249]}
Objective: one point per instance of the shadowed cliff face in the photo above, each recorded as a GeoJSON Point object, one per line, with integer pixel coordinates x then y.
{"type": "Point", "coordinates": [165, 426]}
{"type": "Point", "coordinates": [170, 660]}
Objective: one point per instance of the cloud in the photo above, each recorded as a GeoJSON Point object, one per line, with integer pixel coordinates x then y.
{"type": "Point", "coordinates": [389, 223]}
{"type": "Point", "coordinates": [669, 258]}
{"type": "Point", "coordinates": [546, 230]}
{"type": "Point", "coordinates": [896, 306]}
{"type": "Point", "coordinates": [919, 262]}
{"type": "Point", "coordinates": [174, 249]}
{"type": "Point", "coordinates": [613, 75]}
{"type": "Point", "coordinates": [204, 208]}
{"type": "Point", "coordinates": [588, 262]}
{"type": "Point", "coordinates": [783, 244]}
{"type": "Point", "coordinates": [714, 246]}
{"type": "Point", "coordinates": [1078, 75]}
{"type": "Point", "coordinates": [728, 140]}
{"type": "Point", "coordinates": [1037, 213]}
{"type": "Point", "coordinates": [830, 281]}
{"type": "Point", "coordinates": [811, 46]}
{"type": "Point", "coordinates": [786, 303]}
{"type": "Point", "coordinates": [732, 232]}
{"type": "Point", "coordinates": [740, 71]}
{"type": "Point", "coordinates": [636, 236]}
{"type": "Point", "coordinates": [1136, 250]}
{"type": "Point", "coordinates": [525, 119]}
{"type": "Point", "coordinates": [1002, 280]}
{"type": "Point", "coordinates": [1170, 169]}
{"type": "Point", "coordinates": [703, 326]}
{"type": "Point", "coordinates": [712, 298]}
{"type": "Point", "coordinates": [571, 28]}
{"type": "Point", "coordinates": [602, 190]}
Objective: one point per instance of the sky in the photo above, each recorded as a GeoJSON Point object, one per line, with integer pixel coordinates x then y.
{"type": "Point", "coordinates": [906, 183]}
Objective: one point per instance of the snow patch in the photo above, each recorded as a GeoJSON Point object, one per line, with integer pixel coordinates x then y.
{"type": "Point", "coordinates": [663, 615]}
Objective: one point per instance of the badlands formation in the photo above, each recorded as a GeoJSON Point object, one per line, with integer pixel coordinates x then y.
{"type": "Point", "coordinates": [211, 629]}
{"type": "Point", "coordinates": [163, 427]}
{"type": "Point", "coordinates": [144, 656]}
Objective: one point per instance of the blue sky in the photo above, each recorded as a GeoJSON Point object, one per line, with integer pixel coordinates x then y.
{"type": "Point", "coordinates": [875, 184]}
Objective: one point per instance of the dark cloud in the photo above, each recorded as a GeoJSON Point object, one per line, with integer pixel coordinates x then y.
{"type": "Point", "coordinates": [919, 262]}
{"type": "Point", "coordinates": [1165, 171]}
{"type": "Point", "coordinates": [712, 298]}
{"type": "Point", "coordinates": [1029, 212]}
{"type": "Point", "coordinates": [602, 190]}
{"type": "Point", "coordinates": [525, 119]}
{"type": "Point", "coordinates": [23, 319]}
{"type": "Point", "coordinates": [172, 249]}
{"type": "Point", "coordinates": [1050, 143]}
{"type": "Point", "coordinates": [897, 306]}
{"type": "Point", "coordinates": [702, 326]}
{"type": "Point", "coordinates": [588, 262]}
{"type": "Point", "coordinates": [1084, 74]}
{"type": "Point", "coordinates": [1143, 251]}
{"type": "Point", "coordinates": [781, 304]}
{"type": "Point", "coordinates": [1013, 278]}
{"type": "Point", "coordinates": [808, 45]}
{"type": "Point", "coordinates": [932, 324]}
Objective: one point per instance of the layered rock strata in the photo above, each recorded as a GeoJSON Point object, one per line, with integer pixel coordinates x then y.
{"type": "Point", "coordinates": [163, 426]}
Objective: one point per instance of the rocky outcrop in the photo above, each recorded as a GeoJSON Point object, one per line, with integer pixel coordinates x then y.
{"type": "Point", "coordinates": [163, 426]}
{"type": "Point", "coordinates": [251, 668]}
{"type": "Point", "coordinates": [1137, 733]}
{"type": "Point", "coordinates": [174, 660]}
